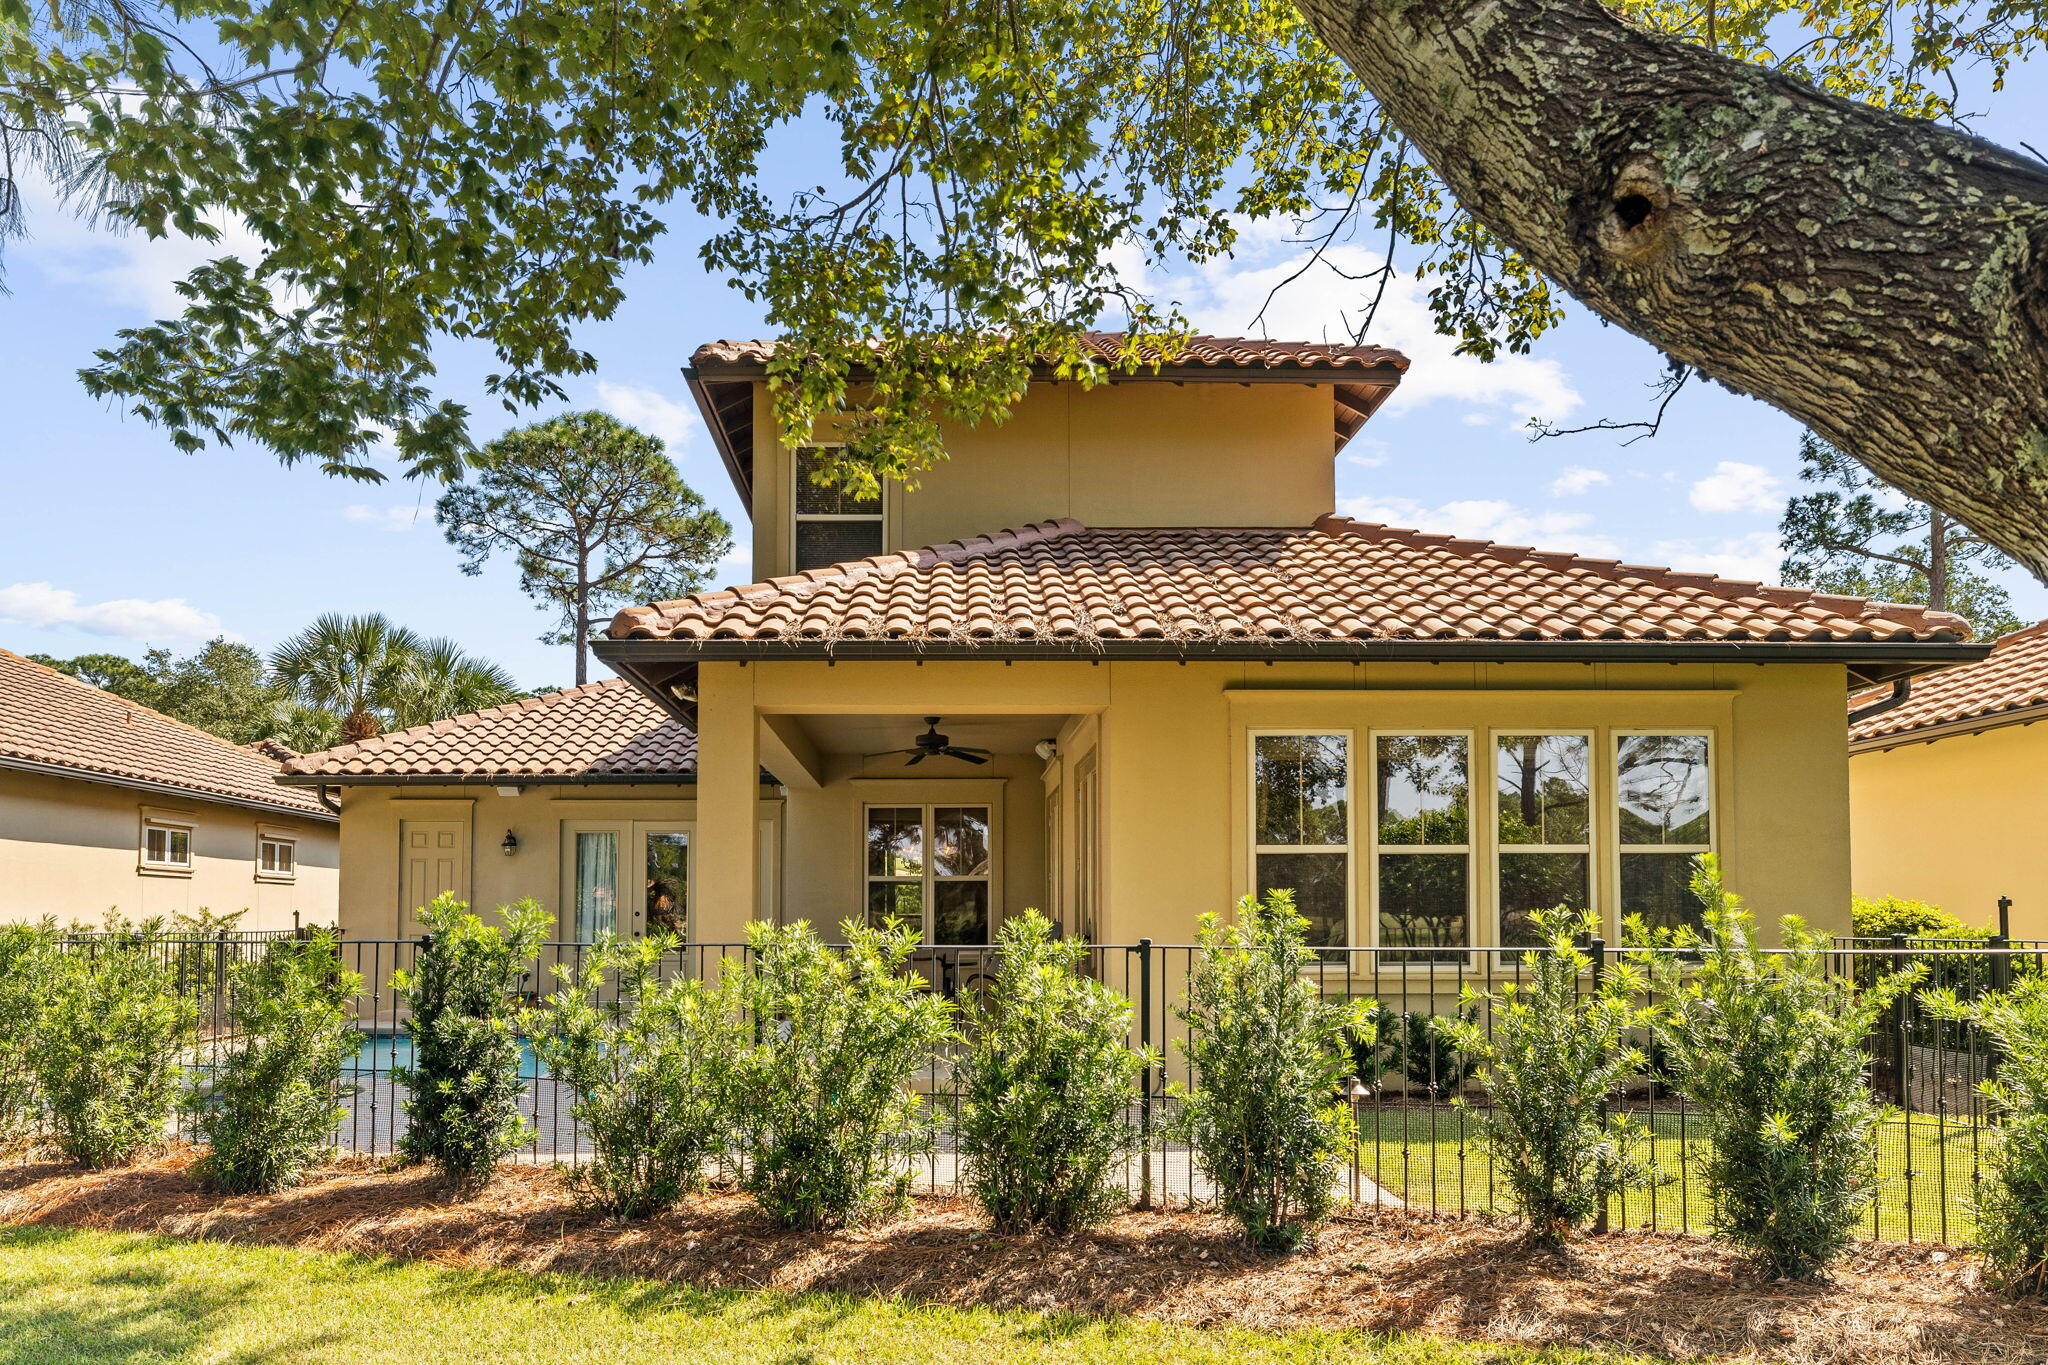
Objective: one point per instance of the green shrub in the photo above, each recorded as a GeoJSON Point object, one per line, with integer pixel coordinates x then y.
{"type": "Point", "coordinates": [1883, 916]}
{"type": "Point", "coordinates": [108, 1049]}
{"type": "Point", "coordinates": [1768, 1047]}
{"type": "Point", "coordinates": [273, 1103]}
{"type": "Point", "coordinates": [1553, 1056]}
{"type": "Point", "coordinates": [651, 1063]}
{"type": "Point", "coordinates": [1269, 1056]}
{"type": "Point", "coordinates": [1410, 1044]}
{"type": "Point", "coordinates": [464, 1081]}
{"type": "Point", "coordinates": [1046, 1085]}
{"type": "Point", "coordinates": [2012, 1202]}
{"type": "Point", "coordinates": [823, 1106]}
{"type": "Point", "coordinates": [24, 951]}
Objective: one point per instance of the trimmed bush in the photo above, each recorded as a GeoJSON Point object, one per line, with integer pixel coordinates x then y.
{"type": "Point", "coordinates": [823, 1105]}
{"type": "Point", "coordinates": [464, 1082]}
{"type": "Point", "coordinates": [2012, 1203]}
{"type": "Point", "coordinates": [1046, 1086]}
{"type": "Point", "coordinates": [1270, 1056]}
{"type": "Point", "coordinates": [24, 951]}
{"type": "Point", "coordinates": [651, 1063]}
{"type": "Point", "coordinates": [273, 1102]}
{"type": "Point", "coordinates": [1768, 1047]}
{"type": "Point", "coordinates": [1557, 1049]}
{"type": "Point", "coordinates": [109, 1045]}
{"type": "Point", "coordinates": [1883, 916]}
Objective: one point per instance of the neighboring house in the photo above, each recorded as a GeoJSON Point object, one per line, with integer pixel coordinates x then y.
{"type": "Point", "coordinates": [1187, 681]}
{"type": "Point", "coordinates": [105, 804]}
{"type": "Point", "coordinates": [1948, 791]}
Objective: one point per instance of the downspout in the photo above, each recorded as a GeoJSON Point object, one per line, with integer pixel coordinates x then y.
{"type": "Point", "coordinates": [324, 794]}
{"type": "Point", "coordinates": [1902, 692]}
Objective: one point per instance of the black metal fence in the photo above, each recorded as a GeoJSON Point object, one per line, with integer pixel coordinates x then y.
{"type": "Point", "coordinates": [1417, 1100]}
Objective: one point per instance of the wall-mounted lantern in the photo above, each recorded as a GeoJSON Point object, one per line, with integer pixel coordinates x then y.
{"type": "Point", "coordinates": [511, 843]}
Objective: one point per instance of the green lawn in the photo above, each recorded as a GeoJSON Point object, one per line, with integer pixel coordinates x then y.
{"type": "Point", "coordinates": [1435, 1158]}
{"type": "Point", "coordinates": [84, 1297]}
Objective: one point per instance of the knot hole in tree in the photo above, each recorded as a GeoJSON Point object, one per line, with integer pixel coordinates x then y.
{"type": "Point", "coordinates": [1632, 220]}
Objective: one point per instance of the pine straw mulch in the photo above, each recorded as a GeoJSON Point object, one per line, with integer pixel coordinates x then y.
{"type": "Point", "coordinates": [1678, 1296]}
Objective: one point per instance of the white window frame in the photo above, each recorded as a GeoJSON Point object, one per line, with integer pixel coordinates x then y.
{"type": "Point", "coordinates": [171, 823]}
{"type": "Point", "coordinates": [1612, 806]}
{"type": "Point", "coordinates": [929, 880]}
{"type": "Point", "coordinates": [1596, 816]}
{"type": "Point", "coordinates": [1478, 769]}
{"type": "Point", "coordinates": [280, 839]}
{"type": "Point", "coordinates": [629, 874]}
{"type": "Point", "coordinates": [880, 516]}
{"type": "Point", "coordinates": [1349, 848]}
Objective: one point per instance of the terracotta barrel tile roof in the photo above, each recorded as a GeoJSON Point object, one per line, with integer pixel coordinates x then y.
{"type": "Point", "coordinates": [50, 720]}
{"type": "Point", "coordinates": [604, 731]}
{"type": "Point", "coordinates": [2013, 677]}
{"type": "Point", "coordinates": [1105, 347]}
{"type": "Point", "coordinates": [1338, 581]}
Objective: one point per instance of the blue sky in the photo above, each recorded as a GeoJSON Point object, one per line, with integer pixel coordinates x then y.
{"type": "Point", "coordinates": [116, 542]}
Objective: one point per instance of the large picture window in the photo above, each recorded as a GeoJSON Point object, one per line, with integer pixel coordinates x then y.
{"type": "Point", "coordinates": [832, 525]}
{"type": "Point", "coordinates": [1301, 828]}
{"type": "Point", "coordinates": [931, 866]}
{"type": "Point", "coordinates": [1544, 823]}
{"type": "Point", "coordinates": [1422, 845]}
{"type": "Point", "coordinates": [1664, 787]}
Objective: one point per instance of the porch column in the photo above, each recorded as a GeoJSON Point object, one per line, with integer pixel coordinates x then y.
{"type": "Point", "coordinates": [727, 884]}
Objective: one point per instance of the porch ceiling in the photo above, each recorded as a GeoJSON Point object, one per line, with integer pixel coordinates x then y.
{"type": "Point", "coordinates": [869, 734]}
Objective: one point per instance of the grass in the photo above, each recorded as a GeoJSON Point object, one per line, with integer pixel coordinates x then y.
{"type": "Point", "coordinates": [1434, 1158]}
{"type": "Point", "coordinates": [81, 1297]}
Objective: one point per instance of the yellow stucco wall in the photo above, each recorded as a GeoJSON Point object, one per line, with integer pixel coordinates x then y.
{"type": "Point", "coordinates": [1958, 822]}
{"type": "Point", "coordinates": [1171, 746]}
{"type": "Point", "coordinates": [71, 848]}
{"type": "Point", "coordinates": [1134, 454]}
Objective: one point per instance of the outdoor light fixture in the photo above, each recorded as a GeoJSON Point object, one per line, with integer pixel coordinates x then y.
{"type": "Point", "coordinates": [1047, 749]}
{"type": "Point", "coordinates": [511, 844]}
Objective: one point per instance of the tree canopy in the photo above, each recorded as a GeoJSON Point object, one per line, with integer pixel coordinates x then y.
{"type": "Point", "coordinates": [1777, 194]}
{"type": "Point", "coordinates": [595, 515]}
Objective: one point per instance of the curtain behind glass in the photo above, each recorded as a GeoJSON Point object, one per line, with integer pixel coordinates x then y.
{"type": "Point", "coordinates": [597, 884]}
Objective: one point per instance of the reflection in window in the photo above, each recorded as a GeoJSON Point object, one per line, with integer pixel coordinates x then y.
{"type": "Point", "coordinates": [668, 883]}
{"type": "Point", "coordinates": [930, 867]}
{"type": "Point", "coordinates": [597, 884]}
{"type": "Point", "coordinates": [1301, 795]}
{"type": "Point", "coordinates": [1543, 792]}
{"type": "Point", "coordinates": [1665, 791]}
{"type": "Point", "coordinates": [1422, 873]}
{"type": "Point", "coordinates": [832, 524]}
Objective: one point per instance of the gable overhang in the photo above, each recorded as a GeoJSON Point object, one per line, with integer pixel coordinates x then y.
{"type": "Point", "coordinates": [163, 789]}
{"type": "Point", "coordinates": [2032, 714]}
{"type": "Point", "coordinates": [725, 399]}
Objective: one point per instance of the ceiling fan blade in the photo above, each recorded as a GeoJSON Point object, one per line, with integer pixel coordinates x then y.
{"type": "Point", "coordinates": [921, 757]}
{"type": "Point", "coordinates": [891, 753]}
{"type": "Point", "coordinates": [971, 755]}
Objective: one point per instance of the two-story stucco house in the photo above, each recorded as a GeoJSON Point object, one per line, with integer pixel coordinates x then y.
{"type": "Point", "coordinates": [108, 805]}
{"type": "Point", "coordinates": [1164, 675]}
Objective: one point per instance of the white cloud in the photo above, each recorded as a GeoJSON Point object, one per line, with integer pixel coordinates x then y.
{"type": "Point", "coordinates": [1751, 557]}
{"type": "Point", "coordinates": [171, 619]}
{"type": "Point", "coordinates": [1737, 487]}
{"type": "Point", "coordinates": [1575, 479]}
{"type": "Point", "coordinates": [736, 567]}
{"type": "Point", "coordinates": [1486, 519]}
{"type": "Point", "coordinates": [388, 518]}
{"type": "Point", "coordinates": [675, 423]}
{"type": "Point", "coordinates": [1225, 296]}
{"type": "Point", "coordinates": [129, 268]}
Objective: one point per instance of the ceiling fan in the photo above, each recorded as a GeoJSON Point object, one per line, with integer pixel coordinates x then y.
{"type": "Point", "coordinates": [932, 744]}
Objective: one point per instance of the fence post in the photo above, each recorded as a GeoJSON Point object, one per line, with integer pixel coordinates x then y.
{"type": "Point", "coordinates": [1144, 952]}
{"type": "Point", "coordinates": [1596, 948]}
{"type": "Point", "coordinates": [2001, 962]}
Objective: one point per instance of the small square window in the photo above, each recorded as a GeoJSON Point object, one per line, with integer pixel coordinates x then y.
{"type": "Point", "coordinates": [167, 847]}
{"type": "Point", "coordinates": [276, 857]}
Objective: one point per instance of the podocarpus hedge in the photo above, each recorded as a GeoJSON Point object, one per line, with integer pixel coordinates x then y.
{"type": "Point", "coordinates": [273, 1102]}
{"type": "Point", "coordinates": [464, 1083]}
{"type": "Point", "coordinates": [1270, 1055]}
{"type": "Point", "coordinates": [1046, 1086]}
{"type": "Point", "coordinates": [1768, 1048]}
{"type": "Point", "coordinates": [24, 951]}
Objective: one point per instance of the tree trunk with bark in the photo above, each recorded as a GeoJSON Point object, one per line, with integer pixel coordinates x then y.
{"type": "Point", "coordinates": [1882, 279]}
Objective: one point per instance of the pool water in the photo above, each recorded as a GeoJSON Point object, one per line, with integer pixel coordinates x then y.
{"type": "Point", "coordinates": [380, 1052]}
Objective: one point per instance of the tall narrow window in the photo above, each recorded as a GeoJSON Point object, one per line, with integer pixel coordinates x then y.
{"type": "Point", "coordinates": [1087, 847]}
{"type": "Point", "coordinates": [1423, 851]}
{"type": "Point", "coordinates": [1543, 795]}
{"type": "Point", "coordinates": [931, 867]}
{"type": "Point", "coordinates": [597, 884]}
{"type": "Point", "coordinates": [832, 525]}
{"type": "Point", "coordinates": [1665, 790]}
{"type": "Point", "coordinates": [1301, 828]}
{"type": "Point", "coordinates": [668, 883]}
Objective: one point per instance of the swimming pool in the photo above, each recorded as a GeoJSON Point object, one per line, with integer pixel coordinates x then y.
{"type": "Point", "coordinates": [379, 1052]}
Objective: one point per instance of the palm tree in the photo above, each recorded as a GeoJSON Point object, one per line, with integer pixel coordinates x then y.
{"type": "Point", "coordinates": [355, 666]}
{"type": "Point", "coordinates": [440, 680]}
